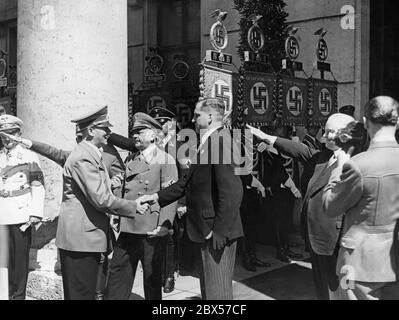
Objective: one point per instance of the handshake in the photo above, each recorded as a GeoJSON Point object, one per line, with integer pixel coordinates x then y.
{"type": "Point", "coordinates": [144, 202]}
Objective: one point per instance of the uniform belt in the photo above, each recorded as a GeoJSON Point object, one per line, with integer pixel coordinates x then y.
{"type": "Point", "coordinates": [14, 193]}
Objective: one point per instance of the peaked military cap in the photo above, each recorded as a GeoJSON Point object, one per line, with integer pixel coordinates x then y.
{"type": "Point", "coordinates": [144, 121]}
{"type": "Point", "coordinates": [97, 118]}
{"type": "Point", "coordinates": [162, 115]}
{"type": "Point", "coordinates": [9, 122]}
{"type": "Point", "coordinates": [348, 109]}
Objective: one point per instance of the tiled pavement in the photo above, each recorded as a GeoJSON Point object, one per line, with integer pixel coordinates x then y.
{"type": "Point", "coordinates": [282, 281]}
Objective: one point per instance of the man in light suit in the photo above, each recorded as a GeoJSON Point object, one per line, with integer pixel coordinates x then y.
{"type": "Point", "coordinates": [365, 189]}
{"type": "Point", "coordinates": [322, 231]}
{"type": "Point", "coordinates": [143, 239]}
{"type": "Point", "coordinates": [83, 224]}
{"type": "Point", "coordinates": [213, 194]}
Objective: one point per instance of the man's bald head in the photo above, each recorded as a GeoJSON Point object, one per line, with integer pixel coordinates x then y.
{"type": "Point", "coordinates": [382, 110]}
{"type": "Point", "coordinates": [334, 124]}
{"type": "Point", "coordinates": [338, 121]}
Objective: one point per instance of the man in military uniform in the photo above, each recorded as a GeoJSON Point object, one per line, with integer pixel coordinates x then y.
{"type": "Point", "coordinates": [21, 201]}
{"type": "Point", "coordinates": [142, 239]}
{"type": "Point", "coordinates": [114, 166]}
{"type": "Point", "coordinates": [83, 226]}
{"type": "Point", "coordinates": [170, 143]}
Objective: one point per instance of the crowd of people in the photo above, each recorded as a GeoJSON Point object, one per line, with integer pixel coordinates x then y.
{"type": "Point", "coordinates": [176, 195]}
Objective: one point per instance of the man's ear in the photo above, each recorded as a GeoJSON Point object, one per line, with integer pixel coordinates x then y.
{"type": "Point", "coordinates": [365, 123]}
{"type": "Point", "coordinates": [90, 131]}
{"type": "Point", "coordinates": [210, 118]}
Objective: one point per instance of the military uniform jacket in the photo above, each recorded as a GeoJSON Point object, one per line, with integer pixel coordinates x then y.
{"type": "Point", "coordinates": [110, 155]}
{"type": "Point", "coordinates": [83, 224]}
{"type": "Point", "coordinates": [147, 175]}
{"type": "Point", "coordinates": [21, 186]}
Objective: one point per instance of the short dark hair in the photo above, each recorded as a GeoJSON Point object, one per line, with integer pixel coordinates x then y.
{"type": "Point", "coordinates": [382, 110]}
{"type": "Point", "coordinates": [214, 104]}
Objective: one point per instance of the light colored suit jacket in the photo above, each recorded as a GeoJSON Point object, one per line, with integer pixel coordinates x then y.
{"type": "Point", "coordinates": [83, 224]}
{"type": "Point", "coordinates": [367, 192]}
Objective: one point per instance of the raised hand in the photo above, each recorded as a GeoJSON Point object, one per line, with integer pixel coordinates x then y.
{"type": "Point", "coordinates": [25, 142]}
{"type": "Point", "coordinates": [259, 133]}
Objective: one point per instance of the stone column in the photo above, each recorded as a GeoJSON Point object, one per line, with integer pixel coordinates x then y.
{"type": "Point", "coordinates": [72, 58]}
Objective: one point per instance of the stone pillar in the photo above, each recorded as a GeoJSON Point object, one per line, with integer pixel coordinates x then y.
{"type": "Point", "coordinates": [72, 58]}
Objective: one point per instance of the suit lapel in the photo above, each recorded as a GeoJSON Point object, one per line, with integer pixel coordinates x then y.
{"type": "Point", "coordinates": [322, 179]}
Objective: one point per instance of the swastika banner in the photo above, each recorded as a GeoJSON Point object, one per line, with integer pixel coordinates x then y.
{"type": "Point", "coordinates": [220, 83]}
{"type": "Point", "coordinates": [153, 98]}
{"type": "Point", "coordinates": [293, 100]}
{"type": "Point", "coordinates": [324, 100]}
{"type": "Point", "coordinates": [259, 89]}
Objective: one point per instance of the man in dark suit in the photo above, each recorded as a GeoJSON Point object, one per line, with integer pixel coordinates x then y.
{"type": "Point", "coordinates": [83, 224]}
{"type": "Point", "coordinates": [365, 189]}
{"type": "Point", "coordinates": [213, 194]}
{"type": "Point", "coordinates": [323, 232]}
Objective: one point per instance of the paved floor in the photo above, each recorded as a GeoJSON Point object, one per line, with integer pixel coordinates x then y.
{"type": "Point", "coordinates": [282, 281]}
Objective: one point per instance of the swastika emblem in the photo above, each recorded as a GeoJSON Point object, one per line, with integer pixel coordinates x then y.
{"type": "Point", "coordinates": [218, 36]}
{"type": "Point", "coordinates": [259, 97]}
{"type": "Point", "coordinates": [294, 100]}
{"type": "Point", "coordinates": [325, 103]}
{"type": "Point", "coordinates": [222, 91]}
{"type": "Point", "coordinates": [322, 50]}
{"type": "Point", "coordinates": [256, 39]}
{"type": "Point", "coordinates": [155, 101]}
{"type": "Point", "coordinates": [292, 47]}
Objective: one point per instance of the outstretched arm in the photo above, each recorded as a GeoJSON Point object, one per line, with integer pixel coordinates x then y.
{"type": "Point", "coordinates": [122, 142]}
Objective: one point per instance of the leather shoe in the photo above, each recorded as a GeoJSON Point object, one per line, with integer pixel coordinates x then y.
{"type": "Point", "coordinates": [259, 263]}
{"type": "Point", "coordinates": [169, 285]}
{"type": "Point", "coordinates": [293, 255]}
{"type": "Point", "coordinates": [248, 264]}
{"type": "Point", "coordinates": [282, 256]}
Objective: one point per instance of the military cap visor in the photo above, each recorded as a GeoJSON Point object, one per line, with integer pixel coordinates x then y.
{"type": "Point", "coordinates": [10, 123]}
{"type": "Point", "coordinates": [159, 112]}
{"type": "Point", "coordinates": [98, 118]}
{"type": "Point", "coordinates": [349, 109]}
{"type": "Point", "coordinates": [144, 121]}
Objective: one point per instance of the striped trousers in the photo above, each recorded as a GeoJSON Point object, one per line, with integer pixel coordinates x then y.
{"type": "Point", "coordinates": [216, 278]}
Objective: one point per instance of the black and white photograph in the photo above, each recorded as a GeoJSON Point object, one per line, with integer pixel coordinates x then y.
{"type": "Point", "coordinates": [185, 151]}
